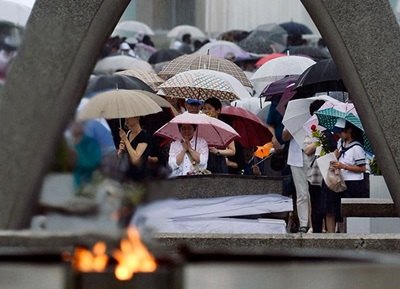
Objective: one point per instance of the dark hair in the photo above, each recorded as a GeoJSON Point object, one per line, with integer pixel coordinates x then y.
{"type": "Point", "coordinates": [356, 133]}
{"type": "Point", "coordinates": [214, 102]}
{"type": "Point", "coordinates": [315, 105]}
{"type": "Point", "coordinates": [186, 37]}
{"type": "Point", "coordinates": [193, 125]}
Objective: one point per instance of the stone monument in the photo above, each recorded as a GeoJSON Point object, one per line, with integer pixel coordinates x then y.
{"type": "Point", "coordinates": [363, 37]}
{"type": "Point", "coordinates": [61, 45]}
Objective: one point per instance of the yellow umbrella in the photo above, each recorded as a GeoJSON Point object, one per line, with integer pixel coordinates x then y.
{"type": "Point", "coordinates": [119, 103]}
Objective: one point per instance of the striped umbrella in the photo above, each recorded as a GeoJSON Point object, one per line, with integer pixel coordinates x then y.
{"type": "Point", "coordinates": [198, 61]}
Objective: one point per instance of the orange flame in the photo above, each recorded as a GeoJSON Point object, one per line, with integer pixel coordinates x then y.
{"type": "Point", "coordinates": [263, 151]}
{"type": "Point", "coordinates": [133, 257]}
{"type": "Point", "coordinates": [91, 261]}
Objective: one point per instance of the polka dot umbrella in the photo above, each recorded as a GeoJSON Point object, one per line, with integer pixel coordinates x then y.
{"type": "Point", "coordinates": [329, 116]}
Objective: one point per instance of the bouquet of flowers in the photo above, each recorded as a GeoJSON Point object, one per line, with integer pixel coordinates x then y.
{"type": "Point", "coordinates": [322, 142]}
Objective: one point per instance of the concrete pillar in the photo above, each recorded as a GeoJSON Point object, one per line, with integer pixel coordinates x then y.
{"type": "Point", "coordinates": [62, 42]}
{"type": "Point", "coordinates": [364, 39]}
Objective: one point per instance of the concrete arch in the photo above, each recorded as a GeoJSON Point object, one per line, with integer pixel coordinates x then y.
{"type": "Point", "coordinates": [65, 37]}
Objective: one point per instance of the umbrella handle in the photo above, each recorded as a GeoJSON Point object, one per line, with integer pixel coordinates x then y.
{"type": "Point", "coordinates": [259, 162]}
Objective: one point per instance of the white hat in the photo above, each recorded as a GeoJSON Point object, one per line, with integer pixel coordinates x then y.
{"type": "Point", "coordinates": [124, 46]}
{"type": "Point", "coordinates": [341, 123]}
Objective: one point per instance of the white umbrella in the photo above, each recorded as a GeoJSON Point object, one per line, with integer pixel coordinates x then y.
{"type": "Point", "coordinates": [278, 68]}
{"type": "Point", "coordinates": [330, 102]}
{"type": "Point", "coordinates": [132, 28]}
{"type": "Point", "coordinates": [15, 12]}
{"type": "Point", "coordinates": [252, 104]}
{"type": "Point", "coordinates": [297, 114]}
{"type": "Point", "coordinates": [111, 64]}
{"type": "Point", "coordinates": [178, 31]}
{"type": "Point", "coordinates": [119, 103]}
{"type": "Point", "coordinates": [264, 112]}
{"type": "Point", "coordinates": [223, 49]}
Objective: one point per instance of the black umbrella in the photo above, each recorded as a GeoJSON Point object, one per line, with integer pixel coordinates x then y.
{"type": "Point", "coordinates": [105, 82]}
{"type": "Point", "coordinates": [295, 28]}
{"type": "Point", "coordinates": [163, 55]}
{"type": "Point", "coordinates": [258, 42]}
{"type": "Point", "coordinates": [315, 53]}
{"type": "Point", "coordinates": [323, 76]}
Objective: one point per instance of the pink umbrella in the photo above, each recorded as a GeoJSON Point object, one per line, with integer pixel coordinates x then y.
{"type": "Point", "coordinates": [214, 131]}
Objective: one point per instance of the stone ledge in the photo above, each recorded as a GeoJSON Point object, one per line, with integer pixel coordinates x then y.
{"type": "Point", "coordinates": [170, 243]}
{"type": "Point", "coordinates": [52, 240]}
{"type": "Point", "coordinates": [362, 242]}
{"type": "Point", "coordinates": [214, 185]}
{"type": "Point", "coordinates": [368, 207]}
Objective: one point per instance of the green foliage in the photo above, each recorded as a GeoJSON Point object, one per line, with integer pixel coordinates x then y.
{"type": "Point", "coordinates": [373, 164]}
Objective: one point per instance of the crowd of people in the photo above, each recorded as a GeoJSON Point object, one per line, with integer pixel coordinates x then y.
{"type": "Point", "coordinates": [142, 156]}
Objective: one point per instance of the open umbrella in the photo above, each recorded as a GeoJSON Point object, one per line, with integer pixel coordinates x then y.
{"type": "Point", "coordinates": [198, 61]}
{"type": "Point", "coordinates": [323, 76]}
{"type": "Point", "coordinates": [131, 28]}
{"type": "Point", "coordinates": [329, 103]}
{"type": "Point", "coordinates": [214, 131]}
{"type": "Point", "coordinates": [252, 104]}
{"type": "Point", "coordinates": [241, 91]}
{"type": "Point", "coordinates": [115, 81]}
{"type": "Point", "coordinates": [315, 53]}
{"type": "Point", "coordinates": [267, 58]}
{"type": "Point", "coordinates": [119, 103]}
{"type": "Point", "coordinates": [150, 78]}
{"type": "Point", "coordinates": [223, 49]}
{"type": "Point", "coordinates": [163, 55]}
{"type": "Point", "coordinates": [276, 32]}
{"type": "Point", "coordinates": [150, 122]}
{"type": "Point", "coordinates": [259, 42]}
{"type": "Point", "coordinates": [111, 64]}
{"type": "Point", "coordinates": [277, 88]}
{"type": "Point", "coordinates": [297, 114]}
{"type": "Point", "coordinates": [198, 84]}
{"type": "Point", "coordinates": [15, 12]}
{"type": "Point", "coordinates": [295, 28]}
{"type": "Point", "coordinates": [278, 68]}
{"type": "Point", "coordinates": [263, 113]}
{"type": "Point", "coordinates": [178, 31]}
{"type": "Point", "coordinates": [328, 117]}
{"type": "Point", "coordinates": [252, 130]}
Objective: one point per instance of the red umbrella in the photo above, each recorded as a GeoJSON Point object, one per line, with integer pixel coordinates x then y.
{"type": "Point", "coordinates": [250, 127]}
{"type": "Point", "coordinates": [267, 58]}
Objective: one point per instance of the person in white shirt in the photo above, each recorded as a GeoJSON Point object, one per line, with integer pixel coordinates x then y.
{"type": "Point", "coordinates": [352, 163]}
{"type": "Point", "coordinates": [188, 155]}
{"type": "Point", "coordinates": [299, 163]}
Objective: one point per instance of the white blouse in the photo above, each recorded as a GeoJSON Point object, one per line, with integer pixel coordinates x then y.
{"type": "Point", "coordinates": [186, 166]}
{"type": "Point", "coordinates": [353, 156]}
